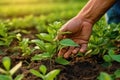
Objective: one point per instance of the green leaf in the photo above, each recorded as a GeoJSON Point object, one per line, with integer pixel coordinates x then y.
{"type": "Point", "coordinates": [2, 43]}
{"type": "Point", "coordinates": [107, 58]}
{"type": "Point", "coordinates": [104, 76]}
{"type": "Point", "coordinates": [117, 73]}
{"type": "Point", "coordinates": [62, 61]}
{"type": "Point", "coordinates": [41, 56]}
{"type": "Point", "coordinates": [43, 69]}
{"type": "Point", "coordinates": [39, 43]}
{"type": "Point", "coordinates": [7, 63]}
{"type": "Point", "coordinates": [19, 77]}
{"type": "Point", "coordinates": [50, 48]}
{"type": "Point", "coordinates": [111, 52]}
{"type": "Point", "coordinates": [68, 42]}
{"type": "Point", "coordinates": [45, 36]}
{"type": "Point", "coordinates": [106, 64]}
{"type": "Point", "coordinates": [36, 73]}
{"type": "Point", "coordinates": [4, 77]}
{"type": "Point", "coordinates": [51, 75]}
{"type": "Point", "coordinates": [116, 57]}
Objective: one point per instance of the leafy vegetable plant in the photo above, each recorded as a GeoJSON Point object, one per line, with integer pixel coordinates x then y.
{"type": "Point", "coordinates": [49, 47]}
{"type": "Point", "coordinates": [5, 37]}
{"type": "Point", "coordinates": [7, 73]}
{"type": "Point", "coordinates": [42, 73]}
{"type": "Point", "coordinates": [24, 45]}
{"type": "Point", "coordinates": [111, 56]}
{"type": "Point", "coordinates": [103, 38]}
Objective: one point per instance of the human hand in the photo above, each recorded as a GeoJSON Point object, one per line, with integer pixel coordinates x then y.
{"type": "Point", "coordinates": [80, 33]}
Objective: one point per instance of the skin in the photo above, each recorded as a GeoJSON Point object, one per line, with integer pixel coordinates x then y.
{"type": "Point", "coordinates": [81, 25]}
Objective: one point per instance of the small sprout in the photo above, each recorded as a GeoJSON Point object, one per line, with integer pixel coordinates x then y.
{"type": "Point", "coordinates": [8, 73]}
{"type": "Point", "coordinates": [42, 73]}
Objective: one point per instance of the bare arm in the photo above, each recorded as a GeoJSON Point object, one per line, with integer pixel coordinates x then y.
{"type": "Point", "coordinates": [94, 9]}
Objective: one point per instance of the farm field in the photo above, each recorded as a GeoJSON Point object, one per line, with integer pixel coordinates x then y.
{"type": "Point", "coordinates": [28, 50]}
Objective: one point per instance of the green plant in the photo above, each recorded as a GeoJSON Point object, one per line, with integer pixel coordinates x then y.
{"type": "Point", "coordinates": [24, 45]}
{"type": "Point", "coordinates": [5, 37]}
{"type": "Point", "coordinates": [7, 73]}
{"type": "Point", "coordinates": [103, 38]}
{"type": "Point", "coordinates": [42, 73]}
{"type": "Point", "coordinates": [111, 56]}
{"type": "Point", "coordinates": [106, 76]}
{"type": "Point", "coordinates": [49, 47]}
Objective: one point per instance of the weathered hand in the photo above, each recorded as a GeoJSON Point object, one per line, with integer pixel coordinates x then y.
{"type": "Point", "coordinates": [80, 33]}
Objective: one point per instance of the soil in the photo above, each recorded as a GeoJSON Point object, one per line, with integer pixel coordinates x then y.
{"type": "Point", "coordinates": [80, 68]}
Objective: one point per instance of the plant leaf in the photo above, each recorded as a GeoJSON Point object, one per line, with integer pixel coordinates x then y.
{"type": "Point", "coordinates": [2, 43]}
{"type": "Point", "coordinates": [5, 77]}
{"type": "Point", "coordinates": [104, 76]}
{"type": "Point", "coordinates": [51, 75]}
{"type": "Point", "coordinates": [43, 69]}
{"type": "Point", "coordinates": [39, 43]}
{"type": "Point", "coordinates": [36, 73]}
{"type": "Point", "coordinates": [116, 57]}
{"type": "Point", "coordinates": [14, 69]}
{"type": "Point", "coordinates": [111, 52]}
{"type": "Point", "coordinates": [45, 36]}
{"type": "Point", "coordinates": [107, 58]}
{"type": "Point", "coordinates": [62, 61]}
{"type": "Point", "coordinates": [19, 77]}
{"type": "Point", "coordinates": [117, 73]}
{"type": "Point", "coordinates": [68, 42]}
{"type": "Point", "coordinates": [41, 56]}
{"type": "Point", "coordinates": [7, 63]}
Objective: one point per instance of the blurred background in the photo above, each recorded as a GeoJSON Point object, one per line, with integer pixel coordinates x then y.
{"type": "Point", "coordinates": [38, 13]}
{"type": "Point", "coordinates": [16, 8]}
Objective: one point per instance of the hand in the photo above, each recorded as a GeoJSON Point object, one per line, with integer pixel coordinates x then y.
{"type": "Point", "coordinates": [80, 33]}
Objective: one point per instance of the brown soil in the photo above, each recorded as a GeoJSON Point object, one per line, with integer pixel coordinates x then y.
{"type": "Point", "coordinates": [80, 68]}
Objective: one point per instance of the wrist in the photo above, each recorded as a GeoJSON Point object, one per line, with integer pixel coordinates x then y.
{"type": "Point", "coordinates": [85, 19]}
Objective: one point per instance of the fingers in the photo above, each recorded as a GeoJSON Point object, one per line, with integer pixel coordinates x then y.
{"type": "Point", "coordinates": [83, 48]}
{"type": "Point", "coordinates": [62, 51]}
{"type": "Point", "coordinates": [75, 51]}
{"type": "Point", "coordinates": [67, 52]}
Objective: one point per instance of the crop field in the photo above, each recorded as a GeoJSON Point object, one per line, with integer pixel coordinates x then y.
{"type": "Point", "coordinates": [28, 50]}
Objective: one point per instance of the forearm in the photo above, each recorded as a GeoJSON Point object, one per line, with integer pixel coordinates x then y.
{"type": "Point", "coordinates": [94, 9]}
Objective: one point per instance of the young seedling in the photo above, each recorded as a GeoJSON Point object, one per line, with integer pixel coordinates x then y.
{"type": "Point", "coordinates": [7, 73]}
{"type": "Point", "coordinates": [103, 39]}
{"type": "Point", "coordinates": [5, 37]}
{"type": "Point", "coordinates": [49, 47]}
{"type": "Point", "coordinates": [111, 56]}
{"type": "Point", "coordinates": [42, 73]}
{"type": "Point", "coordinates": [24, 45]}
